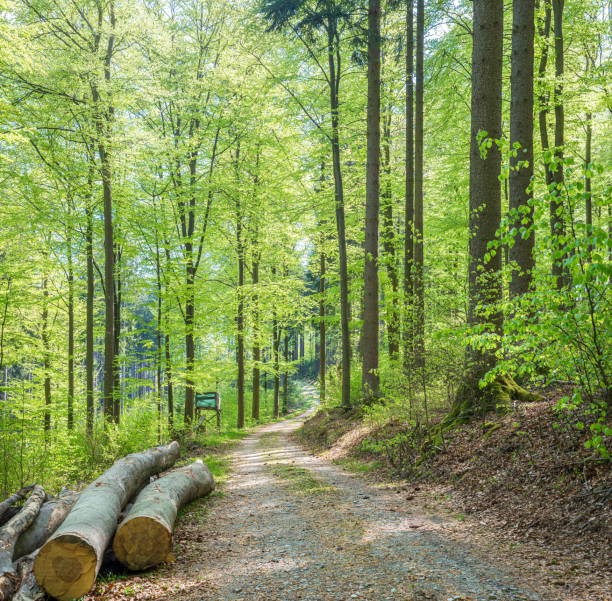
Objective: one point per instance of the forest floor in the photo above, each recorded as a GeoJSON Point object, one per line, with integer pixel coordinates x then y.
{"type": "Point", "coordinates": [287, 525]}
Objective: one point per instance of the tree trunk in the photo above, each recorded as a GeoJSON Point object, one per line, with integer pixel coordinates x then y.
{"type": "Point", "coordinates": [521, 134]}
{"type": "Point", "coordinates": [189, 340]}
{"type": "Point", "coordinates": [8, 537]}
{"type": "Point", "coordinates": [144, 538]}
{"type": "Point", "coordinates": [587, 177]}
{"type": "Point", "coordinates": [67, 565]}
{"type": "Point", "coordinates": [48, 520]}
{"type": "Point", "coordinates": [334, 83]}
{"type": "Point", "coordinates": [557, 220]}
{"type": "Point", "coordinates": [46, 348]}
{"type": "Point", "coordinates": [544, 96]}
{"type": "Point", "coordinates": [419, 292]}
{"type": "Point", "coordinates": [485, 197]}
{"type": "Point", "coordinates": [89, 317]}
{"type": "Point", "coordinates": [117, 338]}
{"type": "Point", "coordinates": [256, 342]}
{"type": "Point", "coordinates": [14, 498]}
{"type": "Point", "coordinates": [70, 417]}
{"type": "Point", "coordinates": [409, 204]}
{"type": "Point", "coordinates": [322, 332]}
{"type": "Point", "coordinates": [370, 382]}
{"type": "Point", "coordinates": [393, 321]}
{"type": "Point", "coordinates": [158, 336]}
{"type": "Point", "coordinates": [275, 351]}
{"type": "Point", "coordinates": [167, 348]}
{"type": "Point", "coordinates": [286, 375]}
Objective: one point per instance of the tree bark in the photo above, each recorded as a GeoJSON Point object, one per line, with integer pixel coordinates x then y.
{"type": "Point", "coordinates": [89, 314]}
{"type": "Point", "coordinates": [67, 565]}
{"type": "Point", "coordinates": [14, 498]}
{"type": "Point", "coordinates": [144, 537]}
{"type": "Point", "coordinates": [333, 53]}
{"type": "Point", "coordinates": [29, 589]}
{"type": "Point", "coordinates": [419, 291]}
{"type": "Point", "coordinates": [48, 520]}
{"type": "Point", "coordinates": [370, 382]}
{"type": "Point", "coordinates": [485, 197]}
{"type": "Point", "coordinates": [46, 348]}
{"type": "Point", "coordinates": [286, 375]}
{"type": "Point", "coordinates": [117, 337]}
{"type": "Point", "coordinates": [587, 177]}
{"type": "Point", "coordinates": [322, 325]}
{"type": "Point", "coordinates": [70, 417]}
{"type": "Point", "coordinates": [409, 200]}
{"type": "Point", "coordinates": [557, 220]}
{"type": "Point", "coordinates": [544, 96]}
{"type": "Point", "coordinates": [521, 134]}
{"type": "Point", "coordinates": [256, 343]}
{"type": "Point", "coordinates": [9, 534]}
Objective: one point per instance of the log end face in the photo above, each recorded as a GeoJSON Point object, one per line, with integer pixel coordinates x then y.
{"type": "Point", "coordinates": [142, 542]}
{"type": "Point", "coordinates": [66, 567]}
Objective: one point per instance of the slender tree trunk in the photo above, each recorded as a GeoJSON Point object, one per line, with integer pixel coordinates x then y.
{"type": "Point", "coordinates": [117, 338]}
{"type": "Point", "coordinates": [409, 201]}
{"type": "Point", "coordinates": [419, 298]}
{"type": "Point", "coordinates": [370, 381]}
{"type": "Point", "coordinates": [159, 353]}
{"type": "Point", "coordinates": [557, 220]}
{"type": "Point", "coordinates": [286, 375]}
{"type": "Point", "coordinates": [256, 343]}
{"type": "Point", "coordinates": [89, 317]}
{"type": "Point", "coordinates": [393, 322]}
{"type": "Point", "coordinates": [544, 96]}
{"type": "Point", "coordinates": [521, 133]}
{"type": "Point", "coordinates": [587, 178]}
{"type": "Point", "coordinates": [46, 347]}
{"type": "Point", "coordinates": [169, 380]}
{"type": "Point", "coordinates": [240, 309]}
{"type": "Point", "coordinates": [70, 420]}
{"type": "Point", "coordinates": [189, 339]}
{"type": "Point", "coordinates": [485, 197]}
{"type": "Point", "coordinates": [275, 351]}
{"type": "Point", "coordinates": [333, 52]}
{"type": "Point", "coordinates": [322, 333]}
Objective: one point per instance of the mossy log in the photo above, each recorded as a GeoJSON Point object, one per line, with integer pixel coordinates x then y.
{"type": "Point", "coordinates": [48, 520]}
{"type": "Point", "coordinates": [144, 538]}
{"type": "Point", "coordinates": [9, 534]}
{"type": "Point", "coordinates": [10, 501]}
{"type": "Point", "coordinates": [68, 563]}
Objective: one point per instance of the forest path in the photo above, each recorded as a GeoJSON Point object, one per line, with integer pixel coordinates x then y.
{"type": "Point", "coordinates": [290, 526]}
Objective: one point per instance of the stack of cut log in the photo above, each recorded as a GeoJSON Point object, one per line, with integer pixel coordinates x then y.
{"type": "Point", "coordinates": [56, 545]}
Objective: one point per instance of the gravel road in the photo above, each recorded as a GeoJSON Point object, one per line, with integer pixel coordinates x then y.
{"type": "Point", "coordinates": [290, 526]}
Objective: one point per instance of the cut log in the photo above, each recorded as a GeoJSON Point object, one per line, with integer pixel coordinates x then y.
{"type": "Point", "coordinates": [48, 520]}
{"type": "Point", "coordinates": [68, 563]}
{"type": "Point", "coordinates": [14, 498]}
{"type": "Point", "coordinates": [29, 589]}
{"type": "Point", "coordinates": [8, 537]}
{"type": "Point", "coordinates": [144, 538]}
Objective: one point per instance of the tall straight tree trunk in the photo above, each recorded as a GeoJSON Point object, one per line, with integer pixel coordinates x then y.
{"type": "Point", "coordinates": [587, 177]}
{"type": "Point", "coordinates": [46, 347]}
{"type": "Point", "coordinates": [333, 52]}
{"type": "Point", "coordinates": [89, 315]}
{"type": "Point", "coordinates": [168, 360]}
{"type": "Point", "coordinates": [117, 339]}
{"type": "Point", "coordinates": [485, 197]}
{"type": "Point", "coordinates": [159, 353]}
{"type": "Point", "coordinates": [240, 308]}
{"type": "Point", "coordinates": [557, 220]}
{"type": "Point", "coordinates": [322, 332]}
{"type": "Point", "coordinates": [275, 352]}
{"type": "Point", "coordinates": [369, 377]}
{"type": "Point", "coordinates": [521, 134]}
{"type": "Point", "coordinates": [70, 419]}
{"type": "Point", "coordinates": [256, 342]}
{"type": "Point", "coordinates": [393, 322]}
{"type": "Point", "coordinates": [408, 320]}
{"type": "Point", "coordinates": [544, 96]}
{"type": "Point", "coordinates": [286, 374]}
{"type": "Point", "coordinates": [419, 299]}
